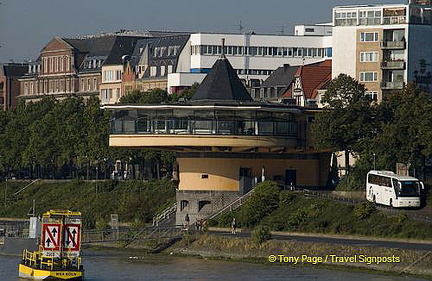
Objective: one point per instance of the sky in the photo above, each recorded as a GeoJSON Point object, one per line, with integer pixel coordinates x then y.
{"type": "Point", "coordinates": [26, 26]}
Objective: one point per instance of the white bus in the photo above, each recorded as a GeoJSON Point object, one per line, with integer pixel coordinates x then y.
{"type": "Point", "coordinates": [388, 188]}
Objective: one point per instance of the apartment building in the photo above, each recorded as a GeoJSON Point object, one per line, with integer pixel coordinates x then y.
{"type": "Point", "coordinates": [384, 46]}
{"type": "Point", "coordinates": [73, 66]}
{"type": "Point", "coordinates": [151, 61]}
{"type": "Point", "coordinates": [253, 56]}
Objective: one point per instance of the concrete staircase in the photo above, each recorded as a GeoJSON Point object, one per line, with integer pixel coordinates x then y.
{"type": "Point", "coordinates": [232, 206]}
{"type": "Point", "coordinates": [166, 217]}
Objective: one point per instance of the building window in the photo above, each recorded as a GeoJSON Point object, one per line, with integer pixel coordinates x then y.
{"type": "Point", "coordinates": [371, 76]}
{"type": "Point", "coordinates": [118, 75]}
{"type": "Point", "coordinates": [372, 95]}
{"type": "Point", "coordinates": [163, 70]}
{"type": "Point", "coordinates": [170, 68]}
{"type": "Point", "coordinates": [62, 63]}
{"type": "Point", "coordinates": [26, 88]}
{"type": "Point", "coordinates": [50, 63]}
{"type": "Point", "coordinates": [45, 65]}
{"type": "Point", "coordinates": [108, 75]}
{"type": "Point", "coordinates": [203, 203]}
{"type": "Point", "coordinates": [82, 85]}
{"type": "Point", "coordinates": [104, 94]}
{"type": "Point", "coordinates": [94, 84]}
{"type": "Point", "coordinates": [369, 37]}
{"type": "Point", "coordinates": [68, 63]}
{"type": "Point", "coordinates": [153, 70]}
{"type": "Point", "coordinates": [88, 84]}
{"type": "Point", "coordinates": [368, 56]}
{"type": "Point", "coordinates": [183, 204]}
{"type": "Point", "coordinates": [370, 17]}
{"type": "Point", "coordinates": [55, 64]}
{"type": "Point", "coordinates": [345, 18]}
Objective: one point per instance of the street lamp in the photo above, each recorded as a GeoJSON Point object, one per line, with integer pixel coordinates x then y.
{"type": "Point", "coordinates": [374, 161]}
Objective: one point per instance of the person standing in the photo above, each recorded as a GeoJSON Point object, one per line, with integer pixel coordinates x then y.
{"type": "Point", "coordinates": [187, 221]}
{"type": "Point", "coordinates": [233, 226]}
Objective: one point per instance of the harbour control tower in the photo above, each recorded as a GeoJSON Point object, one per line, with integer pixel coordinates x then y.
{"type": "Point", "coordinates": [224, 142]}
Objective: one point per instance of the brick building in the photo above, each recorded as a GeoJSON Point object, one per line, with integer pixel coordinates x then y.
{"type": "Point", "coordinates": [73, 66]}
{"type": "Point", "coordinates": [9, 84]}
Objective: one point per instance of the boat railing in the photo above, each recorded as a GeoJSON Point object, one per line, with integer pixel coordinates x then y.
{"type": "Point", "coordinates": [47, 262]}
{"type": "Point", "coordinates": [35, 259]}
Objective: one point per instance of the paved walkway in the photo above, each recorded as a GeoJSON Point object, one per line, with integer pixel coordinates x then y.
{"type": "Point", "coordinates": [336, 239]}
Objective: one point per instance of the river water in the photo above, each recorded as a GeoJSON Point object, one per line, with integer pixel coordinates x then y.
{"type": "Point", "coordinates": [104, 266]}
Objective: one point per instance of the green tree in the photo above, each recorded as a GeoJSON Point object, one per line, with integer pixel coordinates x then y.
{"type": "Point", "coordinates": [347, 121]}
{"type": "Point", "coordinates": [186, 94]}
{"type": "Point", "coordinates": [405, 130]}
{"type": "Point", "coordinates": [154, 96]}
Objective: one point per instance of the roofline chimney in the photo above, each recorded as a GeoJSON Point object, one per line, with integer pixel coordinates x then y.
{"type": "Point", "coordinates": [223, 48]}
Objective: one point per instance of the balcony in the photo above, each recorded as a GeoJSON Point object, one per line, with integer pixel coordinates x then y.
{"type": "Point", "coordinates": [393, 45]}
{"type": "Point", "coordinates": [204, 127]}
{"type": "Point", "coordinates": [392, 85]}
{"type": "Point", "coordinates": [397, 64]}
{"type": "Point", "coordinates": [395, 20]}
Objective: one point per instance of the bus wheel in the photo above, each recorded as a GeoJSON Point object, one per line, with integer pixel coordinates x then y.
{"type": "Point", "coordinates": [391, 203]}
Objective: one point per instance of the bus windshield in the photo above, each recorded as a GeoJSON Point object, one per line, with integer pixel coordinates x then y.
{"type": "Point", "coordinates": [409, 188]}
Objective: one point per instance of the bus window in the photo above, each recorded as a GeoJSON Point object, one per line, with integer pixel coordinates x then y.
{"type": "Point", "coordinates": [409, 188]}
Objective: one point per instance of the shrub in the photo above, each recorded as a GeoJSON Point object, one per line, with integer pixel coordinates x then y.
{"type": "Point", "coordinates": [364, 210]}
{"type": "Point", "coordinates": [261, 234]}
{"type": "Point", "coordinates": [285, 198]}
{"type": "Point", "coordinates": [263, 201]}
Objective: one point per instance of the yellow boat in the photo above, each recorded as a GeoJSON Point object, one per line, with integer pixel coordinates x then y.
{"type": "Point", "coordinates": [58, 257]}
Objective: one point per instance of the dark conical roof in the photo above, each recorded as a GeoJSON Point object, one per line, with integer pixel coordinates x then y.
{"type": "Point", "coordinates": [222, 84]}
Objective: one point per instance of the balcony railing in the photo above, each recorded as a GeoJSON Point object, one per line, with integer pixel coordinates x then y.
{"type": "Point", "coordinates": [392, 85]}
{"type": "Point", "coordinates": [395, 20]}
{"type": "Point", "coordinates": [204, 127]}
{"type": "Point", "coordinates": [370, 21]}
{"type": "Point", "coordinates": [394, 45]}
{"type": "Point", "coordinates": [393, 65]}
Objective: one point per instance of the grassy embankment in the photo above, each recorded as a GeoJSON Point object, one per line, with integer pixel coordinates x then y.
{"type": "Point", "coordinates": [286, 211]}
{"type": "Point", "coordinates": [246, 249]}
{"type": "Point", "coordinates": [134, 201]}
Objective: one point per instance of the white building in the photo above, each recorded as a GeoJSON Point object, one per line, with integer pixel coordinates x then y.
{"type": "Point", "coordinates": [253, 56]}
{"type": "Point", "coordinates": [384, 46]}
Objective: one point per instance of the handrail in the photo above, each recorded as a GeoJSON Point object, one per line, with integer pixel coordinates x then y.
{"type": "Point", "coordinates": [230, 207]}
{"type": "Point", "coordinates": [165, 214]}
{"type": "Point", "coordinates": [26, 186]}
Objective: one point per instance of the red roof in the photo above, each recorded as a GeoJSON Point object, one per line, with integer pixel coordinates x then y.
{"type": "Point", "coordinates": [314, 77]}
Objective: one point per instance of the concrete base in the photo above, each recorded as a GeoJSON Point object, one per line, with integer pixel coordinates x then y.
{"type": "Point", "coordinates": [15, 246]}
{"type": "Point", "coordinates": [201, 204]}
